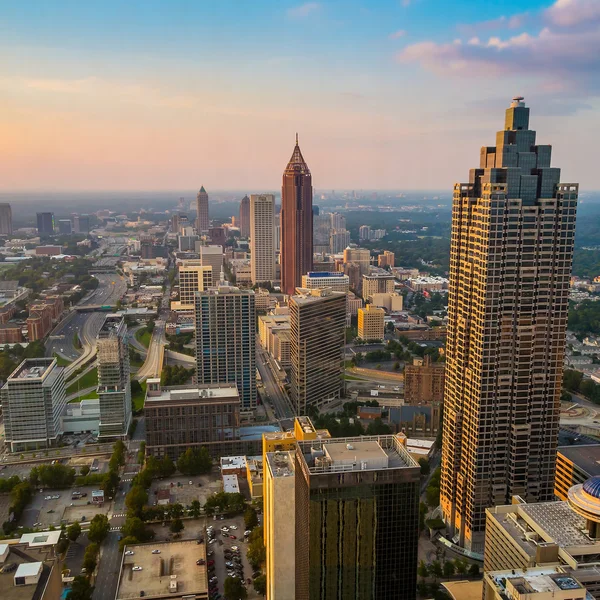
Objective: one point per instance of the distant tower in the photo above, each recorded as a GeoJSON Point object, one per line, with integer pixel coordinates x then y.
{"type": "Point", "coordinates": [296, 222]}
{"type": "Point", "coordinates": [5, 219]}
{"type": "Point", "coordinates": [245, 217]}
{"type": "Point", "coordinates": [45, 223]}
{"type": "Point", "coordinates": [202, 210]}
{"type": "Point", "coordinates": [262, 246]}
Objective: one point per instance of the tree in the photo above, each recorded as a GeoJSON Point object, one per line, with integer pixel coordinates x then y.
{"type": "Point", "coordinates": [80, 589]}
{"type": "Point", "coordinates": [134, 527]}
{"type": "Point", "coordinates": [260, 584]}
{"type": "Point", "coordinates": [84, 470]}
{"type": "Point", "coordinates": [422, 589]}
{"type": "Point", "coordinates": [99, 529]}
{"type": "Point", "coordinates": [250, 518]}
{"type": "Point", "coordinates": [256, 548]}
{"type": "Point", "coordinates": [378, 427]}
{"type": "Point", "coordinates": [127, 541]}
{"type": "Point", "coordinates": [449, 569]}
{"type": "Point", "coordinates": [432, 493]}
{"type": "Point", "coordinates": [195, 461]}
{"type": "Point", "coordinates": [136, 499]}
{"type": "Point", "coordinates": [110, 483]}
{"type": "Point", "coordinates": [461, 566]}
{"type": "Point", "coordinates": [474, 570]}
{"type": "Point", "coordinates": [74, 531]}
{"type": "Point", "coordinates": [435, 569]}
{"type": "Point", "coordinates": [167, 467]}
{"type": "Point", "coordinates": [90, 558]}
{"type": "Point", "coordinates": [176, 525]}
{"type": "Point", "coordinates": [423, 570]}
{"type": "Point", "coordinates": [425, 468]}
{"type": "Point", "coordinates": [195, 509]}
{"type": "Point", "coordinates": [234, 589]}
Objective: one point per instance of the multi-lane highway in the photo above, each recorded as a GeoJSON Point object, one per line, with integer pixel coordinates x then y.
{"type": "Point", "coordinates": [154, 359]}
{"type": "Point", "coordinates": [278, 397]}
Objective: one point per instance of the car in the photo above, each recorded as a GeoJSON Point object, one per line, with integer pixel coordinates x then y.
{"type": "Point", "coordinates": [56, 497]}
{"type": "Point", "coordinates": [190, 483]}
{"type": "Point", "coordinates": [129, 552]}
{"type": "Point", "coordinates": [155, 551]}
{"type": "Point", "coordinates": [234, 527]}
{"type": "Point", "coordinates": [213, 580]}
{"type": "Point", "coordinates": [209, 553]}
{"type": "Point", "coordinates": [136, 568]}
{"type": "Point", "coordinates": [225, 529]}
{"type": "Point", "coordinates": [229, 564]}
{"type": "Point", "coordinates": [248, 581]}
{"type": "Point", "coordinates": [200, 561]}
{"type": "Point", "coordinates": [233, 537]}
{"type": "Point", "coordinates": [48, 498]}
{"type": "Point", "coordinates": [234, 548]}
{"type": "Point", "coordinates": [212, 541]}
{"type": "Point", "coordinates": [247, 532]}
{"type": "Point", "coordinates": [200, 540]}
{"type": "Point", "coordinates": [211, 563]}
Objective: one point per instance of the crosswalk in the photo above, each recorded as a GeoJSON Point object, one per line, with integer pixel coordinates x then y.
{"type": "Point", "coordinates": [126, 480]}
{"type": "Point", "coordinates": [115, 516]}
{"type": "Point", "coordinates": [115, 529]}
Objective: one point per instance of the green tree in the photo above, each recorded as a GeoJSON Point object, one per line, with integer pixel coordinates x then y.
{"type": "Point", "coordinates": [90, 558]}
{"type": "Point", "coordinates": [194, 461]}
{"type": "Point", "coordinates": [99, 529]}
{"type": "Point", "coordinates": [134, 527]}
{"type": "Point", "coordinates": [234, 589]}
{"type": "Point", "coordinates": [260, 584]}
{"type": "Point", "coordinates": [136, 499]}
{"type": "Point", "coordinates": [432, 493]}
{"type": "Point", "coordinates": [74, 531]}
{"type": "Point", "coordinates": [250, 518]}
{"type": "Point", "coordinates": [176, 525]}
{"type": "Point", "coordinates": [422, 570]}
{"type": "Point", "coordinates": [449, 569]}
{"type": "Point", "coordinates": [425, 468]}
{"type": "Point", "coordinates": [474, 570]}
{"type": "Point", "coordinates": [80, 589]}
{"type": "Point", "coordinates": [84, 470]}
{"type": "Point", "coordinates": [378, 427]}
{"type": "Point", "coordinates": [435, 569]}
{"type": "Point", "coordinates": [110, 483]}
{"type": "Point", "coordinates": [195, 509]}
{"type": "Point", "coordinates": [127, 541]}
{"type": "Point", "coordinates": [256, 548]}
{"type": "Point", "coordinates": [167, 467]}
{"type": "Point", "coordinates": [461, 566]}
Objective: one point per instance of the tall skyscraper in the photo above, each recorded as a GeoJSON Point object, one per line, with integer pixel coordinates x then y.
{"type": "Point", "coordinates": [296, 222]}
{"type": "Point", "coordinates": [5, 219]}
{"type": "Point", "coordinates": [225, 323]}
{"type": "Point", "coordinates": [513, 228]}
{"type": "Point", "coordinates": [45, 223]}
{"type": "Point", "coordinates": [245, 217]}
{"type": "Point", "coordinates": [202, 221]}
{"type": "Point", "coordinates": [317, 334]}
{"type": "Point", "coordinates": [114, 388]}
{"type": "Point", "coordinates": [262, 239]}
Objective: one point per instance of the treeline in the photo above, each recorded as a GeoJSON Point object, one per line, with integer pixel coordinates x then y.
{"type": "Point", "coordinates": [573, 381]}
{"type": "Point", "coordinates": [175, 375]}
{"type": "Point", "coordinates": [585, 317]}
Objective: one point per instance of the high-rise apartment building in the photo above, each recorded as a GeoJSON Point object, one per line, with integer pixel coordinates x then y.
{"type": "Point", "coordinates": [211, 256]}
{"type": "Point", "coordinates": [364, 232]}
{"type": "Point", "coordinates": [387, 259]}
{"type": "Point", "coordinates": [33, 403]}
{"type": "Point", "coordinates": [225, 323]}
{"type": "Point", "coordinates": [513, 229]}
{"type": "Point", "coordinates": [377, 284]}
{"type": "Point", "coordinates": [5, 219]}
{"type": "Point", "coordinates": [296, 222]}
{"type": "Point", "coordinates": [338, 240]}
{"type": "Point", "coordinates": [245, 217]}
{"type": "Point", "coordinates": [202, 222]}
{"type": "Point", "coordinates": [336, 281]}
{"type": "Point", "coordinates": [45, 223]}
{"type": "Point", "coordinates": [114, 388]}
{"type": "Point", "coordinates": [338, 221]}
{"type": "Point", "coordinates": [424, 381]}
{"type": "Point", "coordinates": [360, 256]}
{"type": "Point", "coordinates": [262, 237]}
{"type": "Point", "coordinates": [371, 322]}
{"type": "Point", "coordinates": [317, 335]}
{"type": "Point", "coordinates": [192, 279]}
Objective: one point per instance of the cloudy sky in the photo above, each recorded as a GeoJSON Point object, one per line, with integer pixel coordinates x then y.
{"type": "Point", "coordinates": [384, 93]}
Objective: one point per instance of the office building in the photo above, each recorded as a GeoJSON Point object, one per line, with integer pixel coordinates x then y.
{"type": "Point", "coordinates": [65, 227]}
{"type": "Point", "coordinates": [192, 279]}
{"type": "Point", "coordinates": [377, 284]}
{"type": "Point", "coordinates": [317, 335]}
{"type": "Point", "coordinates": [574, 465]}
{"type": "Point", "coordinates": [225, 324]}
{"type": "Point", "coordinates": [370, 322]}
{"type": "Point", "coordinates": [424, 381]}
{"type": "Point", "coordinates": [387, 259]}
{"type": "Point", "coordinates": [81, 223]}
{"type": "Point", "coordinates": [364, 232]}
{"type": "Point", "coordinates": [335, 280]}
{"type": "Point", "coordinates": [202, 222]}
{"type": "Point", "coordinates": [296, 222]}
{"type": "Point", "coordinates": [360, 256]}
{"type": "Point", "coordinates": [33, 402]}
{"type": "Point", "coordinates": [217, 236]}
{"type": "Point", "coordinates": [5, 219]}
{"type": "Point", "coordinates": [337, 221]}
{"type": "Point", "coordinates": [114, 387]}
{"type": "Point", "coordinates": [45, 223]}
{"type": "Point", "coordinates": [321, 229]}
{"type": "Point", "coordinates": [356, 519]}
{"type": "Point", "coordinates": [338, 240]}
{"type": "Point", "coordinates": [354, 276]}
{"type": "Point", "coordinates": [391, 302]}
{"type": "Point", "coordinates": [182, 417]}
{"type": "Point", "coordinates": [187, 243]}
{"type": "Point", "coordinates": [211, 256]}
{"type": "Point", "coordinates": [245, 217]}
{"type": "Point", "coordinates": [262, 237]}
{"type": "Point", "coordinates": [513, 228]}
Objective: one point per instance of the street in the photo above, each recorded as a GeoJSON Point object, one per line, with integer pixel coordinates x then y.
{"type": "Point", "coordinates": [279, 399]}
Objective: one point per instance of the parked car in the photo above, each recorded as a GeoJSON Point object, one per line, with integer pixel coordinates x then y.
{"type": "Point", "coordinates": [155, 551]}
{"type": "Point", "coordinates": [136, 568]}
{"type": "Point", "coordinates": [129, 553]}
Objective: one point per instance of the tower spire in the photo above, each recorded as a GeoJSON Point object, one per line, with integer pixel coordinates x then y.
{"type": "Point", "coordinates": [296, 138]}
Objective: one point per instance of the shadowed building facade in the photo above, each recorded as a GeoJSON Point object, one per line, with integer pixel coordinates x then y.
{"type": "Point", "coordinates": [296, 222]}
{"type": "Point", "coordinates": [513, 229]}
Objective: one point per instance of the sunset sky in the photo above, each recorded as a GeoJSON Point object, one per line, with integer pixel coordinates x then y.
{"type": "Point", "coordinates": [384, 94]}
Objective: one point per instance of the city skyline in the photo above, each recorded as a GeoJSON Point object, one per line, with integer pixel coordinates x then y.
{"type": "Point", "coordinates": [89, 103]}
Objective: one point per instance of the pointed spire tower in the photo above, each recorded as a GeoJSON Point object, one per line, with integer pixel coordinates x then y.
{"type": "Point", "coordinates": [202, 222]}
{"type": "Point", "coordinates": [296, 222]}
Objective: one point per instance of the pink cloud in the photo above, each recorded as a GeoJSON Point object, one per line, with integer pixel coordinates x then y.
{"type": "Point", "coordinates": [397, 34]}
{"type": "Point", "coordinates": [568, 13]}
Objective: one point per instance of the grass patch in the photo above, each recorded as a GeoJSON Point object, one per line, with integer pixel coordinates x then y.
{"type": "Point", "coordinates": [62, 362]}
{"type": "Point", "coordinates": [137, 399]}
{"type": "Point", "coordinates": [143, 336]}
{"type": "Point", "coordinates": [90, 379]}
{"type": "Point", "coordinates": [353, 378]}
{"type": "Point", "coordinates": [76, 341]}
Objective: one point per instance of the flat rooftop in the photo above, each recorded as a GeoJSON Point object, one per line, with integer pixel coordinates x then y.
{"type": "Point", "coordinates": [587, 457]}
{"type": "Point", "coordinates": [464, 590]}
{"type": "Point", "coordinates": [204, 392]}
{"type": "Point", "coordinates": [176, 562]}
{"type": "Point", "coordinates": [20, 556]}
{"type": "Point", "coordinates": [35, 368]}
{"type": "Point", "coordinates": [533, 581]}
{"type": "Point", "coordinates": [281, 464]}
{"type": "Point", "coordinates": [310, 296]}
{"type": "Point", "coordinates": [370, 452]}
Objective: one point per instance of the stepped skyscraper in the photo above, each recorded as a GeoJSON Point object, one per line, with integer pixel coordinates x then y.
{"type": "Point", "coordinates": [513, 228]}
{"type": "Point", "coordinates": [296, 222]}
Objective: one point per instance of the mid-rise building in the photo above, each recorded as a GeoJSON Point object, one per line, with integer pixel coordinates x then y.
{"type": "Point", "coordinates": [65, 226]}
{"type": "Point", "coordinates": [245, 217]}
{"type": "Point", "coordinates": [317, 336]}
{"type": "Point", "coordinates": [338, 221]}
{"type": "Point", "coordinates": [513, 228]}
{"type": "Point", "coordinates": [45, 223]}
{"type": "Point", "coordinates": [262, 240]}
{"type": "Point", "coordinates": [211, 256]}
{"type": "Point", "coordinates": [364, 232]}
{"type": "Point", "coordinates": [387, 259]}
{"type": "Point", "coordinates": [360, 256]}
{"type": "Point", "coordinates": [371, 323]}
{"type": "Point", "coordinates": [5, 219]}
{"type": "Point", "coordinates": [114, 387]}
{"type": "Point", "coordinates": [338, 240]}
{"type": "Point", "coordinates": [354, 275]}
{"type": "Point", "coordinates": [296, 222]}
{"type": "Point", "coordinates": [217, 236]}
{"type": "Point", "coordinates": [192, 279]}
{"type": "Point", "coordinates": [393, 302]}
{"type": "Point", "coordinates": [424, 381]}
{"type": "Point", "coordinates": [81, 223]}
{"type": "Point", "coordinates": [377, 284]}
{"type": "Point", "coordinates": [182, 417]}
{"type": "Point", "coordinates": [202, 221]}
{"type": "Point", "coordinates": [225, 325]}
{"type": "Point", "coordinates": [575, 465]}
{"type": "Point", "coordinates": [335, 280]}
{"type": "Point", "coordinates": [33, 403]}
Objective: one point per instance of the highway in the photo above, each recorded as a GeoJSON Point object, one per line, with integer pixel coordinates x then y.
{"type": "Point", "coordinates": [154, 359]}
{"type": "Point", "coordinates": [278, 397]}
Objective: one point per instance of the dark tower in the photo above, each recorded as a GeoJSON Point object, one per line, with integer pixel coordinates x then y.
{"type": "Point", "coordinates": [296, 222]}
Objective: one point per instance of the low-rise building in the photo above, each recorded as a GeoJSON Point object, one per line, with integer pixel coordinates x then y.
{"type": "Point", "coordinates": [377, 283]}
{"type": "Point", "coordinates": [429, 284]}
{"type": "Point", "coordinates": [233, 465]}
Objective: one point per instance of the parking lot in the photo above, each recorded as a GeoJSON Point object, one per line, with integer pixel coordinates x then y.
{"type": "Point", "coordinates": [184, 493]}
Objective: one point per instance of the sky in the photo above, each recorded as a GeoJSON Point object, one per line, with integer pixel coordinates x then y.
{"type": "Point", "coordinates": [384, 94]}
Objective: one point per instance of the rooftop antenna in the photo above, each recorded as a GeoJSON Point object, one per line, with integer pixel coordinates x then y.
{"type": "Point", "coordinates": [296, 138]}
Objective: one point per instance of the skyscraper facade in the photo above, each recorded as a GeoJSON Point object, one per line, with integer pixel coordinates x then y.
{"type": "Point", "coordinates": [202, 221]}
{"type": "Point", "coordinates": [513, 229]}
{"type": "Point", "coordinates": [225, 323]}
{"type": "Point", "coordinates": [296, 222]}
{"type": "Point", "coordinates": [262, 239]}
{"type": "Point", "coordinates": [245, 217]}
{"type": "Point", "coordinates": [317, 334]}
{"type": "Point", "coordinates": [114, 388]}
{"type": "Point", "coordinates": [45, 223]}
{"type": "Point", "coordinates": [5, 219]}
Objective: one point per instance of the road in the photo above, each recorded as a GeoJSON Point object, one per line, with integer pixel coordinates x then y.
{"type": "Point", "coordinates": [278, 397]}
{"type": "Point", "coordinates": [154, 359]}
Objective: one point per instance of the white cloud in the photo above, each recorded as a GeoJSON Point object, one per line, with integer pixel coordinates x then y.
{"type": "Point", "coordinates": [304, 10]}
{"type": "Point", "coordinates": [568, 13]}
{"type": "Point", "coordinates": [397, 34]}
